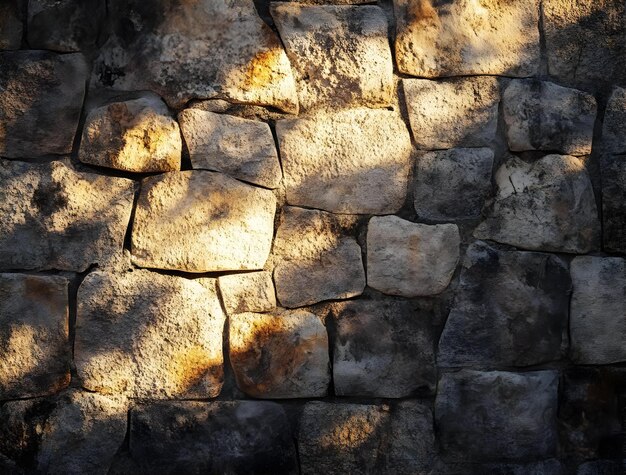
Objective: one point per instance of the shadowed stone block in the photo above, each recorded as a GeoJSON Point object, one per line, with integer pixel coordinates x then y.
{"type": "Point", "coordinates": [201, 221]}
{"type": "Point", "coordinates": [10, 24]}
{"type": "Point", "coordinates": [511, 309]}
{"type": "Point", "coordinates": [496, 415]}
{"type": "Point", "coordinates": [250, 292]}
{"type": "Point", "coordinates": [613, 169]}
{"type": "Point", "coordinates": [452, 112]}
{"type": "Point", "coordinates": [354, 161]}
{"type": "Point", "coordinates": [52, 217]}
{"type": "Point", "coordinates": [410, 259]}
{"type": "Point", "coordinates": [35, 353]}
{"type": "Point", "coordinates": [144, 334]}
{"type": "Point", "coordinates": [598, 315]}
{"type": "Point", "coordinates": [614, 123]}
{"type": "Point", "coordinates": [41, 95]}
{"type": "Point", "coordinates": [462, 37]}
{"type": "Point", "coordinates": [241, 148]}
{"type": "Point", "coordinates": [281, 355]}
{"type": "Point", "coordinates": [545, 205]}
{"type": "Point", "coordinates": [340, 54]}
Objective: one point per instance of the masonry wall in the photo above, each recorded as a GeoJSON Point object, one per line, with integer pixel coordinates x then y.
{"type": "Point", "coordinates": [327, 238]}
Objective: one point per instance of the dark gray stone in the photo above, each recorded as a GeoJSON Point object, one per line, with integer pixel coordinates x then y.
{"type": "Point", "coordinates": [614, 123]}
{"type": "Point", "coordinates": [602, 467]}
{"type": "Point", "coordinates": [41, 95]}
{"type": "Point", "coordinates": [11, 24]}
{"type": "Point", "coordinates": [382, 349]}
{"type": "Point", "coordinates": [510, 309]}
{"type": "Point", "coordinates": [238, 437]}
{"type": "Point", "coordinates": [613, 170]}
{"type": "Point", "coordinates": [497, 416]}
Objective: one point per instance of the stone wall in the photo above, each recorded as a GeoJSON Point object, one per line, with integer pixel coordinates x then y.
{"type": "Point", "coordinates": [282, 237]}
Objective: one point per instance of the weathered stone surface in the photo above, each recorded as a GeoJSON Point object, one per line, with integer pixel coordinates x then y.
{"type": "Point", "coordinates": [601, 467]}
{"type": "Point", "coordinates": [544, 467]}
{"type": "Point", "coordinates": [585, 40]}
{"type": "Point", "coordinates": [64, 25]}
{"type": "Point", "coordinates": [546, 205]}
{"type": "Point", "coordinates": [250, 292]}
{"type": "Point", "coordinates": [316, 259]}
{"type": "Point", "coordinates": [460, 112]}
{"type": "Point", "coordinates": [144, 334]}
{"type": "Point", "coordinates": [41, 95]}
{"type": "Point", "coordinates": [410, 259]}
{"type": "Point", "coordinates": [614, 124]}
{"type": "Point", "coordinates": [465, 38]}
{"type": "Point", "coordinates": [200, 221]}
{"type": "Point", "coordinates": [10, 25]}
{"type": "Point", "coordinates": [52, 217]}
{"type": "Point", "coordinates": [598, 315]}
{"type": "Point", "coordinates": [613, 170]}
{"type": "Point", "coordinates": [340, 54]}
{"type": "Point", "coordinates": [541, 115]}
{"type": "Point", "coordinates": [193, 50]}
{"type": "Point", "coordinates": [354, 161]}
{"type": "Point", "coordinates": [82, 434]}
{"type": "Point", "coordinates": [452, 184]}
{"type": "Point", "coordinates": [496, 415]}
{"type": "Point", "coordinates": [35, 353]}
{"type": "Point", "coordinates": [138, 135]}
{"type": "Point", "coordinates": [280, 355]}
{"type": "Point", "coordinates": [239, 437]}
{"type": "Point", "coordinates": [238, 147]}
{"type": "Point", "coordinates": [382, 349]}
{"type": "Point", "coordinates": [351, 438]}
{"type": "Point", "coordinates": [511, 309]}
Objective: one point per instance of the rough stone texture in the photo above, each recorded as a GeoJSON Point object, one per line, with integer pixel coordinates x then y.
{"type": "Point", "coordinates": [52, 217]}
{"type": "Point", "coordinates": [544, 467]}
{"type": "Point", "coordinates": [35, 351]}
{"type": "Point", "coordinates": [64, 25]}
{"type": "Point", "coordinates": [382, 349]}
{"type": "Point", "coordinates": [193, 50]}
{"type": "Point", "coordinates": [585, 40]}
{"type": "Point", "coordinates": [10, 25]}
{"type": "Point", "coordinates": [466, 38]}
{"type": "Point", "coordinates": [598, 315]}
{"type": "Point", "coordinates": [451, 113]}
{"type": "Point", "coordinates": [316, 259]}
{"type": "Point", "coordinates": [144, 334]}
{"type": "Point", "coordinates": [280, 355]}
{"type": "Point", "coordinates": [82, 435]}
{"type": "Point", "coordinates": [200, 221]}
{"type": "Point", "coordinates": [452, 184]}
{"type": "Point", "coordinates": [239, 437]}
{"type": "Point", "coordinates": [602, 467]}
{"type": "Point", "coordinates": [613, 169]}
{"type": "Point", "coordinates": [350, 438]}
{"type": "Point", "coordinates": [333, 162]}
{"type": "Point", "coordinates": [614, 124]}
{"type": "Point", "coordinates": [251, 292]}
{"type": "Point", "coordinates": [410, 259]}
{"type": "Point", "coordinates": [546, 205]}
{"type": "Point", "coordinates": [138, 135]}
{"type": "Point", "coordinates": [340, 54]}
{"type": "Point", "coordinates": [541, 115]}
{"type": "Point", "coordinates": [491, 416]}
{"type": "Point", "coordinates": [511, 309]}
{"type": "Point", "coordinates": [241, 148]}
{"type": "Point", "coordinates": [41, 95]}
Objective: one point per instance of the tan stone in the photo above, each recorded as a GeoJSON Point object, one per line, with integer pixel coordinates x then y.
{"type": "Point", "coordinates": [466, 37]}
{"type": "Point", "coordinates": [316, 259]}
{"type": "Point", "coordinates": [138, 135]}
{"type": "Point", "coordinates": [281, 355]}
{"type": "Point", "coordinates": [354, 161]}
{"type": "Point", "coordinates": [340, 54]}
{"type": "Point", "coordinates": [242, 148]}
{"type": "Point", "coordinates": [143, 334]}
{"type": "Point", "coordinates": [452, 112]}
{"type": "Point", "coordinates": [195, 50]}
{"type": "Point", "coordinates": [250, 292]}
{"type": "Point", "coordinates": [200, 221]}
{"type": "Point", "coordinates": [410, 259]}
{"type": "Point", "coordinates": [52, 217]}
{"type": "Point", "coordinates": [35, 354]}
